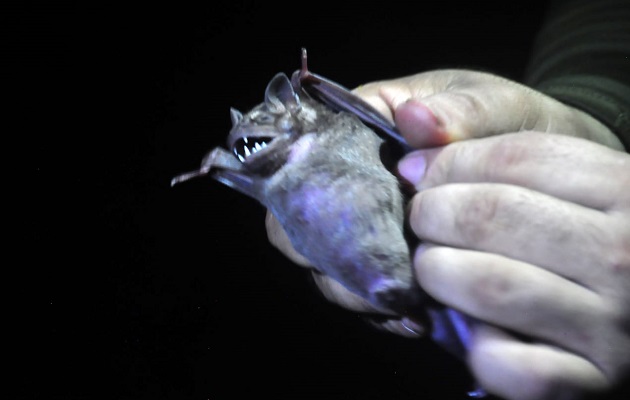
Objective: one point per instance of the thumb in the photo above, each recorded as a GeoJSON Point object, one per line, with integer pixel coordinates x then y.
{"type": "Point", "coordinates": [435, 108]}
{"type": "Point", "coordinates": [481, 109]}
{"type": "Point", "coordinates": [474, 105]}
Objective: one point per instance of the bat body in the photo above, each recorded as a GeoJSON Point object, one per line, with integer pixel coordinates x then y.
{"type": "Point", "coordinates": [320, 173]}
{"type": "Point", "coordinates": [311, 154]}
{"type": "Point", "coordinates": [343, 210]}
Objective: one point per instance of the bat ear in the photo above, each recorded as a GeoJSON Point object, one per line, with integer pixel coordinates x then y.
{"type": "Point", "coordinates": [280, 94]}
{"type": "Point", "coordinates": [236, 116]}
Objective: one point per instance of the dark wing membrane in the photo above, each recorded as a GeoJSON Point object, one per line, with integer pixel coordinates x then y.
{"type": "Point", "coordinates": [339, 98]}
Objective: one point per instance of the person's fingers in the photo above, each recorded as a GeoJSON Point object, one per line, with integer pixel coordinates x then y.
{"type": "Point", "coordinates": [524, 225]}
{"type": "Point", "coordinates": [420, 127]}
{"type": "Point", "coordinates": [510, 368]}
{"type": "Point", "coordinates": [385, 96]}
{"type": "Point", "coordinates": [279, 239]}
{"type": "Point", "coordinates": [530, 159]}
{"type": "Point", "coordinates": [538, 207]}
{"type": "Point", "coordinates": [491, 109]}
{"type": "Point", "coordinates": [515, 295]}
{"type": "Point", "coordinates": [439, 107]}
{"type": "Point", "coordinates": [476, 106]}
{"type": "Point", "coordinates": [390, 98]}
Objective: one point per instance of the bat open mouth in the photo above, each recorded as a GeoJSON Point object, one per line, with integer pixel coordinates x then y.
{"type": "Point", "coordinates": [245, 147]}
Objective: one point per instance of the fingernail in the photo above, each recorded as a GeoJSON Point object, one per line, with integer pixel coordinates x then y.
{"type": "Point", "coordinates": [412, 167]}
{"type": "Point", "coordinates": [419, 125]}
{"type": "Point", "coordinates": [421, 111]}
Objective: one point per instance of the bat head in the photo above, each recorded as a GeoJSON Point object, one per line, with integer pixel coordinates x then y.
{"type": "Point", "coordinates": [264, 135]}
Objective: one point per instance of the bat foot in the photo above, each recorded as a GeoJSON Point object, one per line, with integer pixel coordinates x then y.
{"type": "Point", "coordinates": [393, 295]}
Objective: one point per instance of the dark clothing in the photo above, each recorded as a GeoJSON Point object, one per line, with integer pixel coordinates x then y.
{"type": "Point", "coordinates": [582, 58]}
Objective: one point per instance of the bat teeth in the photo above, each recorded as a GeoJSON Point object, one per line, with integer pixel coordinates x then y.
{"type": "Point", "coordinates": [248, 146]}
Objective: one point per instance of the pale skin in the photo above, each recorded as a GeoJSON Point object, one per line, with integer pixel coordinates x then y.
{"type": "Point", "coordinates": [523, 208]}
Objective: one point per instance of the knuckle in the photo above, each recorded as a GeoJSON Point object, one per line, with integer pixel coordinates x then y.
{"type": "Point", "coordinates": [463, 102]}
{"type": "Point", "coordinates": [471, 105]}
{"type": "Point", "coordinates": [491, 212]}
{"type": "Point", "coordinates": [468, 114]}
{"type": "Point", "coordinates": [616, 266]}
{"type": "Point", "coordinates": [619, 260]}
{"type": "Point", "coordinates": [509, 151]}
{"type": "Point", "coordinates": [475, 217]}
{"type": "Point", "coordinates": [478, 215]}
{"type": "Point", "coordinates": [490, 290]}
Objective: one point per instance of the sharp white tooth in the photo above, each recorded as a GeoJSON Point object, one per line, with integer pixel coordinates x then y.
{"type": "Point", "coordinates": [245, 139]}
{"type": "Point", "coordinates": [254, 150]}
{"type": "Point", "coordinates": [247, 153]}
{"type": "Point", "coordinates": [240, 157]}
{"type": "Point", "coordinates": [258, 146]}
{"type": "Point", "coordinates": [263, 145]}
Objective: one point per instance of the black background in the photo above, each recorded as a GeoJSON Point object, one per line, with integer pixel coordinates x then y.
{"type": "Point", "coordinates": [130, 289]}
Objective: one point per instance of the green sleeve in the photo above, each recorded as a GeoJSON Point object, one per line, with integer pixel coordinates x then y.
{"type": "Point", "coordinates": [582, 58]}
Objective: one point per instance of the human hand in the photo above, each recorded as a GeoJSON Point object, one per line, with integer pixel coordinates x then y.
{"type": "Point", "coordinates": [527, 232]}
{"type": "Point", "coordinates": [439, 107]}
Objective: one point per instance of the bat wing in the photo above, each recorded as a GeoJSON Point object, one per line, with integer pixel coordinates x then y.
{"type": "Point", "coordinates": [340, 98]}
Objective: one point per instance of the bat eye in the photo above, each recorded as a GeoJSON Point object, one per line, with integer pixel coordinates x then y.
{"type": "Point", "coordinates": [245, 147]}
{"type": "Point", "coordinates": [264, 119]}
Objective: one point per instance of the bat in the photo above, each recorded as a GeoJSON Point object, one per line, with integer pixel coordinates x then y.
{"type": "Point", "coordinates": [320, 159]}
{"type": "Point", "coordinates": [320, 172]}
